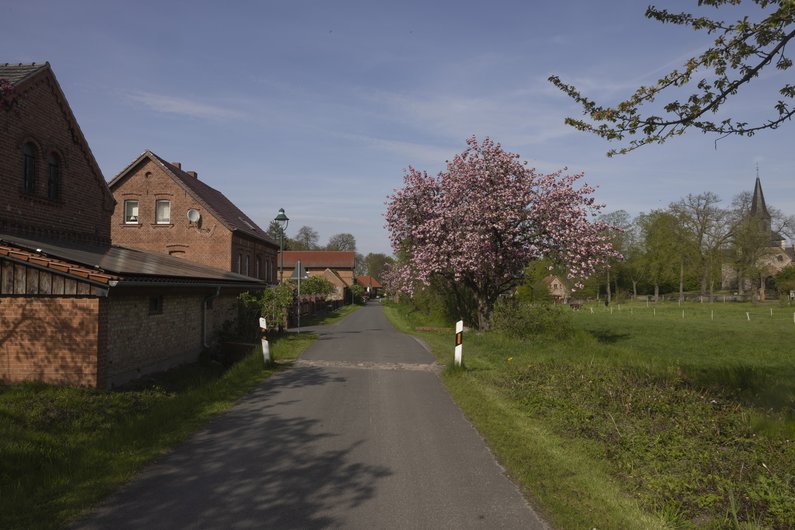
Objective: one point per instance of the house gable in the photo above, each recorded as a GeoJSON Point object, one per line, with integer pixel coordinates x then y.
{"type": "Point", "coordinates": [66, 196]}
{"type": "Point", "coordinates": [211, 239]}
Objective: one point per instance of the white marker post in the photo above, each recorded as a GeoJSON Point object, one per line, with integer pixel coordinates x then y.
{"type": "Point", "coordinates": [459, 334]}
{"type": "Point", "coordinates": [266, 349]}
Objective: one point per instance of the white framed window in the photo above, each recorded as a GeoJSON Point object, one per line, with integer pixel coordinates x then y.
{"type": "Point", "coordinates": [245, 270]}
{"type": "Point", "coordinates": [162, 212]}
{"type": "Point", "coordinates": [131, 212]}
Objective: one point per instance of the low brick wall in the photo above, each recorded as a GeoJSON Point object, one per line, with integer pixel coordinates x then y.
{"type": "Point", "coordinates": [141, 343]}
{"type": "Point", "coordinates": [50, 339]}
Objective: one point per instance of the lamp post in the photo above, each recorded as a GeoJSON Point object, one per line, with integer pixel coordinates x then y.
{"type": "Point", "coordinates": [282, 220]}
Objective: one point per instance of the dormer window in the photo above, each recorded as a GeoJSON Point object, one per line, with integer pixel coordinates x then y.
{"type": "Point", "coordinates": [163, 212]}
{"type": "Point", "coordinates": [131, 212]}
{"type": "Point", "coordinates": [29, 168]}
{"type": "Point", "coordinates": [53, 177]}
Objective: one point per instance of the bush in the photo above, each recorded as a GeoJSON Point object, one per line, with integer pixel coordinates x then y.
{"type": "Point", "coordinates": [525, 319]}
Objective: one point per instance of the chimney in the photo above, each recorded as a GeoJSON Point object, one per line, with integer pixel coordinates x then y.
{"type": "Point", "coordinates": [177, 165]}
{"type": "Point", "coordinates": [193, 174]}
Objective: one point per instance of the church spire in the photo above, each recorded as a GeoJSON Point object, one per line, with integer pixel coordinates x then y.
{"type": "Point", "coordinates": [758, 206]}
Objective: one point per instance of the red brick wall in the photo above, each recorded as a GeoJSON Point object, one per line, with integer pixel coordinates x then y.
{"type": "Point", "coordinates": [208, 242]}
{"type": "Point", "coordinates": [83, 210]}
{"type": "Point", "coordinates": [141, 343]}
{"type": "Point", "coordinates": [50, 339]}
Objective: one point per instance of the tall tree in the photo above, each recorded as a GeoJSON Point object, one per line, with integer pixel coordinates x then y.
{"type": "Point", "coordinates": [276, 231]}
{"type": "Point", "coordinates": [706, 228]}
{"type": "Point", "coordinates": [482, 220]}
{"type": "Point", "coordinates": [619, 235]}
{"type": "Point", "coordinates": [375, 264]}
{"type": "Point", "coordinates": [306, 239]}
{"type": "Point", "coordinates": [739, 53]}
{"type": "Point", "coordinates": [342, 241]}
{"type": "Point", "coordinates": [659, 232]}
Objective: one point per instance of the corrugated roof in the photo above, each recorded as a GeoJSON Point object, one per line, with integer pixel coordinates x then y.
{"type": "Point", "coordinates": [332, 259]}
{"type": "Point", "coordinates": [15, 73]}
{"type": "Point", "coordinates": [126, 264]}
{"type": "Point", "coordinates": [216, 202]}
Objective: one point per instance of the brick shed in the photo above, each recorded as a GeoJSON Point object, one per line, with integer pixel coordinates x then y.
{"type": "Point", "coordinates": [104, 315]}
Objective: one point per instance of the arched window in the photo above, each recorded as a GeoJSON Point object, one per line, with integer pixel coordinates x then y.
{"type": "Point", "coordinates": [29, 168]}
{"type": "Point", "coordinates": [53, 177]}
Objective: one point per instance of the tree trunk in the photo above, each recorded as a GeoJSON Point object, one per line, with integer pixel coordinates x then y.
{"type": "Point", "coordinates": [681, 278]}
{"type": "Point", "coordinates": [634, 289]}
{"type": "Point", "coordinates": [484, 312]}
{"type": "Point", "coordinates": [656, 292]}
{"type": "Point", "coordinates": [608, 286]}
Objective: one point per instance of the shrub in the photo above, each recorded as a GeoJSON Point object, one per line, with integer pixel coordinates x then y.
{"type": "Point", "coordinates": [524, 319]}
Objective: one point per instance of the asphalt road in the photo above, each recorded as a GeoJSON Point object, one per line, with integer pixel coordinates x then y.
{"type": "Point", "coordinates": [359, 434]}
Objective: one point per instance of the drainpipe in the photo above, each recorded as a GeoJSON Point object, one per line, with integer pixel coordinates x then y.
{"type": "Point", "coordinates": [204, 315]}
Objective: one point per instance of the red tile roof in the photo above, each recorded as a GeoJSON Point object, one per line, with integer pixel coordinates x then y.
{"type": "Point", "coordinates": [320, 259]}
{"type": "Point", "coordinates": [104, 264]}
{"type": "Point", "coordinates": [368, 281]}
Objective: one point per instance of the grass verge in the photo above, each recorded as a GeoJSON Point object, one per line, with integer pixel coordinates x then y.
{"type": "Point", "coordinates": [642, 419]}
{"type": "Point", "coordinates": [64, 449]}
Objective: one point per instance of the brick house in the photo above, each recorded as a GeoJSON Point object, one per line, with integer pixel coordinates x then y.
{"type": "Point", "coordinates": [51, 185]}
{"type": "Point", "coordinates": [75, 309]}
{"type": "Point", "coordinates": [165, 209]}
{"type": "Point", "coordinates": [335, 266]}
{"type": "Point", "coordinates": [372, 287]}
{"type": "Point", "coordinates": [556, 288]}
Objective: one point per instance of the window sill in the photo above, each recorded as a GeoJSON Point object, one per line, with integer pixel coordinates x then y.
{"type": "Point", "coordinates": [131, 225]}
{"type": "Point", "coordinates": [162, 225]}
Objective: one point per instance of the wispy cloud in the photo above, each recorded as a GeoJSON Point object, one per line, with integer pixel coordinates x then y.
{"type": "Point", "coordinates": [183, 106]}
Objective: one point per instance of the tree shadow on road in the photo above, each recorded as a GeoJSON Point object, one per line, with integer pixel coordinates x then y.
{"type": "Point", "coordinates": [251, 468]}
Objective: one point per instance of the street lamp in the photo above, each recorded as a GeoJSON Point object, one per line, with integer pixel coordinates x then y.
{"type": "Point", "coordinates": [282, 220]}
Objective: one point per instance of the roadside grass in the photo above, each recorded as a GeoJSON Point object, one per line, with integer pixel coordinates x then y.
{"type": "Point", "coordinates": [643, 419]}
{"type": "Point", "coordinates": [62, 450]}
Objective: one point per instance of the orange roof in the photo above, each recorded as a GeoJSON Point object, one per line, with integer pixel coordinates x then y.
{"type": "Point", "coordinates": [368, 281]}
{"type": "Point", "coordinates": [320, 259]}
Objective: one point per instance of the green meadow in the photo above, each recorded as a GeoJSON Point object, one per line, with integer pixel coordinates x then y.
{"type": "Point", "coordinates": [649, 416]}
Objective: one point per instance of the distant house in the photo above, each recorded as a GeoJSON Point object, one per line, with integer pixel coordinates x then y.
{"type": "Point", "coordinates": [75, 309]}
{"type": "Point", "coordinates": [162, 208]}
{"type": "Point", "coordinates": [372, 287]}
{"type": "Point", "coordinates": [336, 266]}
{"type": "Point", "coordinates": [556, 288]}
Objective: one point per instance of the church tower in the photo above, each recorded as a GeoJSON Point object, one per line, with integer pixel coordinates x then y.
{"type": "Point", "coordinates": [759, 208]}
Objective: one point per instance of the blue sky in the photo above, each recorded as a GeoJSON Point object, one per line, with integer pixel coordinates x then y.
{"type": "Point", "coordinates": [317, 107]}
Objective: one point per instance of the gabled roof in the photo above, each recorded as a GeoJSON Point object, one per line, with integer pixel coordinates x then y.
{"type": "Point", "coordinates": [18, 75]}
{"type": "Point", "coordinates": [109, 264]}
{"type": "Point", "coordinates": [334, 278]}
{"type": "Point", "coordinates": [19, 72]}
{"type": "Point", "coordinates": [368, 281]}
{"type": "Point", "coordinates": [213, 200]}
{"type": "Point", "coordinates": [320, 259]}
{"type": "Point", "coordinates": [758, 206]}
